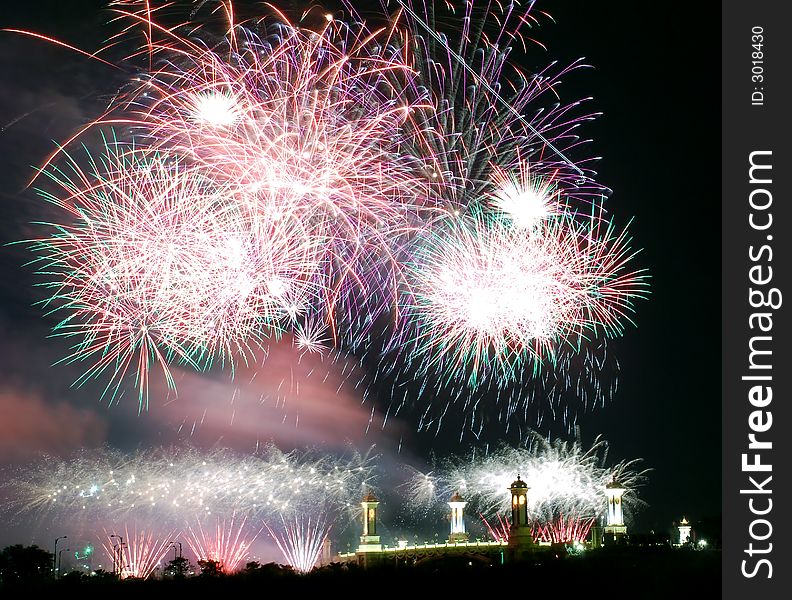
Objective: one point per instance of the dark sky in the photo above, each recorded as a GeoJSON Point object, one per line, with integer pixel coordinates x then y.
{"type": "Point", "coordinates": [655, 79]}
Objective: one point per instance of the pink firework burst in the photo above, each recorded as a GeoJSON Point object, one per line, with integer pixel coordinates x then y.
{"type": "Point", "coordinates": [157, 266]}
{"type": "Point", "coordinates": [491, 297]}
{"type": "Point", "coordinates": [225, 545]}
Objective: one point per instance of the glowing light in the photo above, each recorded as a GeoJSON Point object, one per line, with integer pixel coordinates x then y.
{"type": "Point", "coordinates": [525, 200]}
{"type": "Point", "coordinates": [214, 108]}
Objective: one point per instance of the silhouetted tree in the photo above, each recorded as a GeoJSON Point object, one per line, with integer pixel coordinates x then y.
{"type": "Point", "coordinates": [268, 571]}
{"type": "Point", "coordinates": [73, 577]}
{"type": "Point", "coordinates": [20, 563]}
{"type": "Point", "coordinates": [102, 575]}
{"type": "Point", "coordinates": [210, 568]}
{"type": "Point", "coordinates": [178, 568]}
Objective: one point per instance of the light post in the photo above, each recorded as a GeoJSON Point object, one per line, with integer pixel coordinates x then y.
{"type": "Point", "coordinates": [59, 560]}
{"type": "Point", "coordinates": [120, 559]}
{"type": "Point", "coordinates": [55, 552]}
{"type": "Point", "coordinates": [178, 567]}
{"type": "Point", "coordinates": [175, 556]}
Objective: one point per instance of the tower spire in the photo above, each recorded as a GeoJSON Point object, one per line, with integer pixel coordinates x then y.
{"type": "Point", "coordinates": [370, 540]}
{"type": "Point", "coordinates": [520, 540]}
{"type": "Point", "coordinates": [458, 533]}
{"type": "Point", "coordinates": [615, 523]}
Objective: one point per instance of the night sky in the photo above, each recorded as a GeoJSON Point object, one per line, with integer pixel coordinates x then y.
{"type": "Point", "coordinates": [656, 80]}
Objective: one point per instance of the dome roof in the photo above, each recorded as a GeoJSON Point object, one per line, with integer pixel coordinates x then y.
{"type": "Point", "coordinates": [614, 485]}
{"type": "Point", "coordinates": [456, 497]}
{"type": "Point", "coordinates": [370, 497]}
{"type": "Point", "coordinates": [518, 483]}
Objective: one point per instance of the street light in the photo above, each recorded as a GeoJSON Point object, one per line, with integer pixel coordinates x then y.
{"type": "Point", "coordinates": [59, 560]}
{"type": "Point", "coordinates": [174, 550]}
{"type": "Point", "coordinates": [120, 560]}
{"type": "Point", "coordinates": [55, 552]}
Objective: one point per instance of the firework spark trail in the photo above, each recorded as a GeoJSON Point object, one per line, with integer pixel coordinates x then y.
{"type": "Point", "coordinates": [563, 480]}
{"type": "Point", "coordinates": [468, 133]}
{"type": "Point", "coordinates": [442, 40]}
{"type": "Point", "coordinates": [140, 552]}
{"type": "Point", "coordinates": [562, 529]}
{"type": "Point", "coordinates": [301, 540]}
{"type": "Point", "coordinates": [175, 485]}
{"type": "Point", "coordinates": [498, 531]}
{"type": "Point", "coordinates": [227, 544]}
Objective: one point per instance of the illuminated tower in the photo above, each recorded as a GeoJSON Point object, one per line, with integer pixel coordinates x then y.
{"type": "Point", "coordinates": [684, 531]}
{"type": "Point", "coordinates": [326, 557]}
{"type": "Point", "coordinates": [520, 540]}
{"type": "Point", "coordinates": [369, 541]}
{"type": "Point", "coordinates": [458, 533]}
{"type": "Point", "coordinates": [615, 524]}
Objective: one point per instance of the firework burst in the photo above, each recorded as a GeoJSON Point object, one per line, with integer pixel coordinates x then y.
{"type": "Point", "coordinates": [157, 267]}
{"type": "Point", "coordinates": [512, 293]}
{"type": "Point", "coordinates": [301, 124]}
{"type": "Point", "coordinates": [259, 182]}
{"type": "Point", "coordinates": [301, 540]}
{"type": "Point", "coordinates": [502, 299]}
{"type": "Point", "coordinates": [138, 553]}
